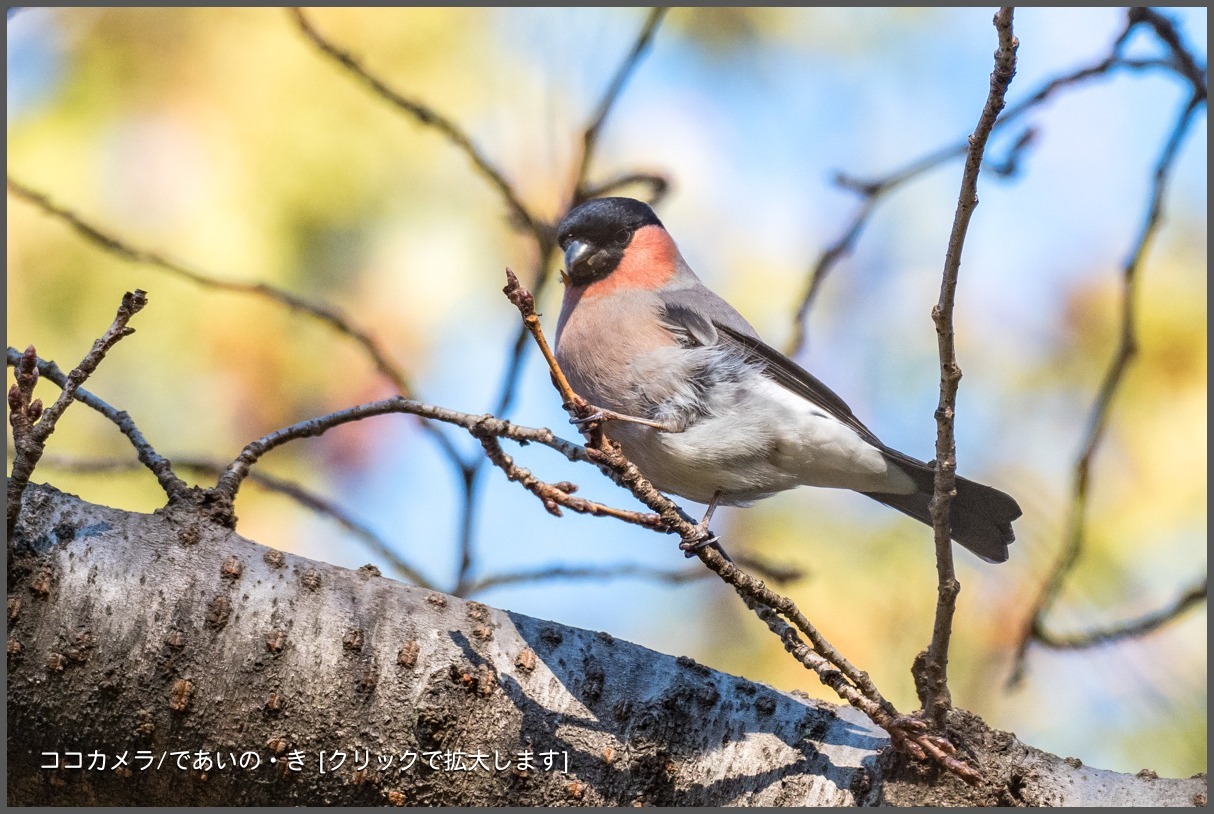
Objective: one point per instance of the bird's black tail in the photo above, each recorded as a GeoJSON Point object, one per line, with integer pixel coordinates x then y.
{"type": "Point", "coordinates": [981, 516]}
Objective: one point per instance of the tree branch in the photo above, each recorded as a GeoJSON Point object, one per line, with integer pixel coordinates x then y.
{"type": "Point", "coordinates": [780, 574]}
{"type": "Point", "coordinates": [32, 425]}
{"type": "Point", "coordinates": [160, 466]}
{"type": "Point", "coordinates": [192, 632]}
{"type": "Point", "coordinates": [932, 680]}
{"type": "Point", "coordinates": [554, 496]}
{"type": "Point", "coordinates": [1123, 356]}
{"type": "Point", "coordinates": [874, 190]}
{"type": "Point", "coordinates": [590, 137]}
{"type": "Point", "coordinates": [109, 242]}
{"type": "Point", "coordinates": [424, 115]}
{"type": "Point", "coordinates": [478, 425]}
{"type": "Point", "coordinates": [324, 313]}
{"type": "Point", "coordinates": [1148, 623]}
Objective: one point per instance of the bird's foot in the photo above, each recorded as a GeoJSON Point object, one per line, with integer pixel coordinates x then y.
{"type": "Point", "coordinates": [690, 547]}
{"type": "Point", "coordinates": [705, 536]}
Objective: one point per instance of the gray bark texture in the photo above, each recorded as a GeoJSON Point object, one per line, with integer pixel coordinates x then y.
{"type": "Point", "coordinates": [147, 636]}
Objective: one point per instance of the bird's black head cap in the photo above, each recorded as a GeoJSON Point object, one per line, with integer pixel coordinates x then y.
{"type": "Point", "coordinates": [595, 234]}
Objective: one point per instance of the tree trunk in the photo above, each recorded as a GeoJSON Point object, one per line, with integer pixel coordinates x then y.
{"type": "Point", "coordinates": [164, 660]}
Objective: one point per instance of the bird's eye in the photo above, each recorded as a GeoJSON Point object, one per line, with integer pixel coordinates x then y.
{"type": "Point", "coordinates": [622, 236]}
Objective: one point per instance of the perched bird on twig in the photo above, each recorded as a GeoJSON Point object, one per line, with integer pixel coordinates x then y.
{"type": "Point", "coordinates": [703, 407]}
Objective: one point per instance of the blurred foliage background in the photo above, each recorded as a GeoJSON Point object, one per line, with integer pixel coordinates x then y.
{"type": "Point", "coordinates": [223, 139]}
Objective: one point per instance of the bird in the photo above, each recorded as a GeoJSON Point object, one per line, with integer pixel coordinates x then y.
{"type": "Point", "coordinates": [702, 406]}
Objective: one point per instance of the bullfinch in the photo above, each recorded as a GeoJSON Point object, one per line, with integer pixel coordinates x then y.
{"type": "Point", "coordinates": [703, 407]}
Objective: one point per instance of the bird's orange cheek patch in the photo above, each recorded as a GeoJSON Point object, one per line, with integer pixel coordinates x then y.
{"type": "Point", "coordinates": [649, 262]}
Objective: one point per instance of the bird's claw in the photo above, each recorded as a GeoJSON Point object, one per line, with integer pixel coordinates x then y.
{"type": "Point", "coordinates": [690, 547]}
{"type": "Point", "coordinates": [582, 422]}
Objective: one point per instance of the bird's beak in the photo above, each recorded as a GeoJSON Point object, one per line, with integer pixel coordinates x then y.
{"type": "Point", "coordinates": [575, 253]}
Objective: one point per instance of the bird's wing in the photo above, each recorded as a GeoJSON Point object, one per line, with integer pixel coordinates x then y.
{"type": "Point", "coordinates": [700, 317]}
{"type": "Point", "coordinates": [795, 378]}
{"type": "Point", "coordinates": [693, 314]}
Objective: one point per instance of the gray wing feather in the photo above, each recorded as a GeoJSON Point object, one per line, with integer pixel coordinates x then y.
{"type": "Point", "coordinates": [697, 316]}
{"type": "Point", "coordinates": [698, 311]}
{"type": "Point", "coordinates": [789, 374]}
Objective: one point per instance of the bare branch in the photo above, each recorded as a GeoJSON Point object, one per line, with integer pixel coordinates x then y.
{"type": "Point", "coordinates": [117, 246]}
{"type": "Point", "coordinates": [932, 681]}
{"type": "Point", "coordinates": [874, 190]}
{"type": "Point", "coordinates": [524, 301]}
{"type": "Point", "coordinates": [658, 186]}
{"type": "Point", "coordinates": [424, 115]}
{"type": "Point", "coordinates": [132, 303]}
{"type": "Point", "coordinates": [830, 256]}
{"type": "Point", "coordinates": [1185, 63]}
{"type": "Point", "coordinates": [587, 572]}
{"type": "Point", "coordinates": [478, 425]}
{"type": "Point", "coordinates": [1149, 623]}
{"type": "Point", "coordinates": [777, 573]}
{"type": "Point", "coordinates": [467, 526]}
{"type": "Point", "coordinates": [1123, 356]}
{"type": "Point", "coordinates": [554, 496]}
{"type": "Point", "coordinates": [590, 137]}
{"type": "Point", "coordinates": [32, 425]}
{"type": "Point", "coordinates": [326, 314]}
{"type": "Point", "coordinates": [159, 465]}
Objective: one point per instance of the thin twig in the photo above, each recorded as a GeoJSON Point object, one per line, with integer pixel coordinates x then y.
{"type": "Point", "coordinates": [467, 527]}
{"type": "Point", "coordinates": [326, 314]}
{"type": "Point", "coordinates": [1135, 628]}
{"type": "Point", "coordinates": [514, 365]}
{"type": "Point", "coordinates": [115, 245]}
{"type": "Point", "coordinates": [777, 573]}
{"type": "Point", "coordinates": [557, 495]}
{"type": "Point", "coordinates": [587, 572]}
{"type": "Point", "coordinates": [831, 255]}
{"type": "Point", "coordinates": [159, 465]}
{"type": "Point", "coordinates": [590, 137]}
{"type": "Point", "coordinates": [524, 301]}
{"type": "Point", "coordinates": [478, 425]}
{"type": "Point", "coordinates": [425, 115]}
{"type": "Point", "coordinates": [32, 425]}
{"type": "Point", "coordinates": [1186, 64]}
{"type": "Point", "coordinates": [1123, 356]}
{"type": "Point", "coordinates": [874, 190]}
{"type": "Point", "coordinates": [658, 186]}
{"type": "Point", "coordinates": [933, 679]}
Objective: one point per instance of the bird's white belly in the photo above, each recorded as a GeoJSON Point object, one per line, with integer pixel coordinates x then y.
{"type": "Point", "coordinates": [760, 440]}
